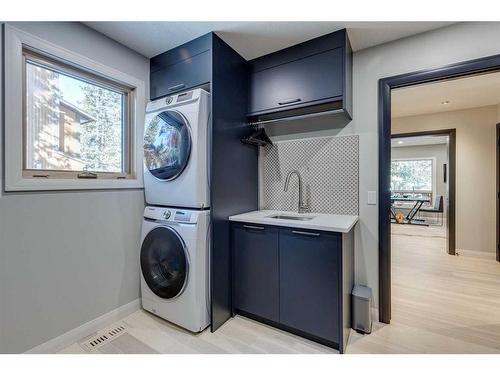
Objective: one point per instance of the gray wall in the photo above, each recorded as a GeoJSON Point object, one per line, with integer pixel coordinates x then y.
{"type": "Point", "coordinates": [68, 257]}
{"type": "Point", "coordinates": [459, 42]}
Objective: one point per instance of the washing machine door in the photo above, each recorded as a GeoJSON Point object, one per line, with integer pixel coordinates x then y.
{"type": "Point", "coordinates": [167, 145]}
{"type": "Point", "coordinates": [164, 262]}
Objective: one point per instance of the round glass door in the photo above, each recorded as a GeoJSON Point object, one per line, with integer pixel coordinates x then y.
{"type": "Point", "coordinates": [167, 145]}
{"type": "Point", "coordinates": [164, 262]}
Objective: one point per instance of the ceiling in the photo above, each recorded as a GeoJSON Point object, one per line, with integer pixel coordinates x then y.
{"type": "Point", "coordinates": [253, 39]}
{"type": "Point", "coordinates": [424, 140]}
{"type": "Point", "coordinates": [451, 95]}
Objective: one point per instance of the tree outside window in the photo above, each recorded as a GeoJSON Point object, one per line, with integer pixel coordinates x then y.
{"type": "Point", "coordinates": [412, 175]}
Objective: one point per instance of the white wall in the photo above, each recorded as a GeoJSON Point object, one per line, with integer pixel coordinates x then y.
{"type": "Point", "coordinates": [476, 170]}
{"type": "Point", "coordinates": [68, 257]}
{"type": "Point", "coordinates": [456, 43]}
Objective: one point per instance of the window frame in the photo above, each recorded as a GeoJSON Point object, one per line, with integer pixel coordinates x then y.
{"type": "Point", "coordinates": [18, 45]}
{"type": "Point", "coordinates": [49, 63]}
{"type": "Point", "coordinates": [433, 176]}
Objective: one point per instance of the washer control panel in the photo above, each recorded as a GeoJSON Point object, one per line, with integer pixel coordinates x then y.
{"type": "Point", "coordinates": [173, 214]}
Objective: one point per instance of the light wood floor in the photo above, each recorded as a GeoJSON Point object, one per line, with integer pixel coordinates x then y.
{"type": "Point", "coordinates": [441, 304]}
{"type": "Point", "coordinates": [149, 334]}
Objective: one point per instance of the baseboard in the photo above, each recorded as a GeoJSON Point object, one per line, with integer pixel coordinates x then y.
{"type": "Point", "coordinates": [477, 253]}
{"type": "Point", "coordinates": [58, 343]}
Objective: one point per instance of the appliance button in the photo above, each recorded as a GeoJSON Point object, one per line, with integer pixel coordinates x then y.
{"type": "Point", "coordinates": [169, 100]}
{"type": "Point", "coordinates": [166, 214]}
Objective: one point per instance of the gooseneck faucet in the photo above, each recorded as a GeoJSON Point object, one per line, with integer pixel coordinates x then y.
{"type": "Point", "coordinates": [302, 207]}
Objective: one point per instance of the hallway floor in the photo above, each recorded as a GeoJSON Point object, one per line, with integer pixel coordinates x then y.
{"type": "Point", "coordinates": [440, 303]}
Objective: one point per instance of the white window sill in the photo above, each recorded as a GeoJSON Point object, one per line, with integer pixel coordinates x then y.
{"type": "Point", "coordinates": [68, 184]}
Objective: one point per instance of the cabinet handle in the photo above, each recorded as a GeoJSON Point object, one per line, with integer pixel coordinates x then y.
{"type": "Point", "coordinates": [177, 87]}
{"type": "Point", "coordinates": [290, 101]}
{"type": "Point", "coordinates": [253, 227]}
{"type": "Point", "coordinates": [312, 234]}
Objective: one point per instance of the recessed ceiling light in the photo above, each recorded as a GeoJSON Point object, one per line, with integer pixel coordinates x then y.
{"type": "Point", "coordinates": [400, 142]}
{"type": "Point", "coordinates": [445, 102]}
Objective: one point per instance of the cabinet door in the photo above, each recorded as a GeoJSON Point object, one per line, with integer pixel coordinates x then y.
{"type": "Point", "coordinates": [255, 271]}
{"type": "Point", "coordinates": [310, 282]}
{"type": "Point", "coordinates": [297, 83]}
{"type": "Point", "coordinates": [183, 75]}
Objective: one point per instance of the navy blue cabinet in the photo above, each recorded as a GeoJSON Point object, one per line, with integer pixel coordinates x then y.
{"type": "Point", "coordinates": [186, 74]}
{"type": "Point", "coordinates": [300, 82]}
{"type": "Point", "coordinates": [314, 74]}
{"type": "Point", "coordinates": [255, 270]}
{"type": "Point", "coordinates": [310, 282]}
{"type": "Point", "coordinates": [294, 279]}
{"type": "Point", "coordinates": [182, 68]}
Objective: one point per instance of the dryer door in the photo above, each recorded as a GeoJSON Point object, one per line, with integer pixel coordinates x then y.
{"type": "Point", "coordinates": [164, 262]}
{"type": "Point", "coordinates": [167, 145]}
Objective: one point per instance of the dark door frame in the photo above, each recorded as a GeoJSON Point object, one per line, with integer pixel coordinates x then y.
{"type": "Point", "coordinates": [452, 134]}
{"type": "Point", "coordinates": [498, 192]}
{"type": "Point", "coordinates": [482, 65]}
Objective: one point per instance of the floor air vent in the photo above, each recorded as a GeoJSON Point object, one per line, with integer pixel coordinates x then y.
{"type": "Point", "coordinates": [103, 337]}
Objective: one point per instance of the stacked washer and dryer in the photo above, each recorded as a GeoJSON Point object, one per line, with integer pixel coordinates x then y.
{"type": "Point", "coordinates": [176, 228]}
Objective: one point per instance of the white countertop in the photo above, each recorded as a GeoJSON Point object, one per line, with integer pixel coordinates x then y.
{"type": "Point", "coordinates": [324, 222]}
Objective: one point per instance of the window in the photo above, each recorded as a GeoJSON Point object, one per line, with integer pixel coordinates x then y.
{"type": "Point", "coordinates": [73, 121]}
{"type": "Point", "coordinates": [412, 175]}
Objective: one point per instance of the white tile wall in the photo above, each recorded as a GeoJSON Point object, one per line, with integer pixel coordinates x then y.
{"type": "Point", "coordinates": [329, 167]}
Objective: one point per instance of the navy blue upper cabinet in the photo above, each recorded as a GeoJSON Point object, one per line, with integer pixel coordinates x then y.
{"type": "Point", "coordinates": [310, 283]}
{"type": "Point", "coordinates": [300, 82]}
{"type": "Point", "coordinates": [181, 68]}
{"type": "Point", "coordinates": [255, 270]}
{"type": "Point", "coordinates": [186, 74]}
{"type": "Point", "coordinates": [314, 73]}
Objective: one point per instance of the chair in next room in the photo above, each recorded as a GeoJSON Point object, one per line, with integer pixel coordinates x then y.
{"type": "Point", "coordinates": [438, 208]}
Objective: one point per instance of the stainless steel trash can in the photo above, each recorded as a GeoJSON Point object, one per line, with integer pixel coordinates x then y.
{"type": "Point", "coordinates": [361, 309]}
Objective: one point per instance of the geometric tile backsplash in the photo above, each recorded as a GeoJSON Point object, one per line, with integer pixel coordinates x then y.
{"type": "Point", "coordinates": [329, 167]}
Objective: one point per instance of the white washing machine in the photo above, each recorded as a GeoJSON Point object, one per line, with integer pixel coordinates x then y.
{"type": "Point", "coordinates": [176, 162]}
{"type": "Point", "coordinates": [174, 264]}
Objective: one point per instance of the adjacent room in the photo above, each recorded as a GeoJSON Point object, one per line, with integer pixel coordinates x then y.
{"type": "Point", "coordinates": [443, 217]}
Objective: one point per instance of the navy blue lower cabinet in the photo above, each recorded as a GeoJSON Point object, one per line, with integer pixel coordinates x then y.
{"type": "Point", "coordinates": [310, 282]}
{"type": "Point", "coordinates": [255, 270]}
{"type": "Point", "coordinates": [294, 279]}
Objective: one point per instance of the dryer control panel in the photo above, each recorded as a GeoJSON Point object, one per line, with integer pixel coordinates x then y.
{"type": "Point", "coordinates": [176, 215]}
{"type": "Point", "coordinates": [175, 100]}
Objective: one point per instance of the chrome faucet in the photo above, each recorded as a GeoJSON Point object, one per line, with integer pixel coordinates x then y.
{"type": "Point", "coordinates": [302, 207]}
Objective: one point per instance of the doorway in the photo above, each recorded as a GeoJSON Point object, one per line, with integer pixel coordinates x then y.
{"type": "Point", "coordinates": [439, 199]}
{"type": "Point", "coordinates": [386, 85]}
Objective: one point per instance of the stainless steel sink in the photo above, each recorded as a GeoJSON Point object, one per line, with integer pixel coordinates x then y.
{"type": "Point", "coordinates": [291, 217]}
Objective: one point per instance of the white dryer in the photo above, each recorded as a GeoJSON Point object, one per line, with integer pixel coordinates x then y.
{"type": "Point", "coordinates": [174, 264]}
{"type": "Point", "coordinates": [176, 163]}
